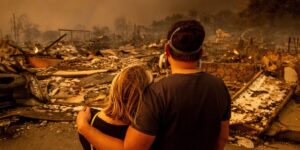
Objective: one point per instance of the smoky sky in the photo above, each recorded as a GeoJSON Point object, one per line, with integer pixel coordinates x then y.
{"type": "Point", "coordinates": [53, 14]}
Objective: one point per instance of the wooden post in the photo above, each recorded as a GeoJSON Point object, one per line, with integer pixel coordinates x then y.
{"type": "Point", "coordinates": [15, 28]}
{"type": "Point", "coordinates": [289, 45]}
{"type": "Point", "coordinates": [297, 44]}
{"type": "Point", "coordinates": [71, 37]}
{"type": "Point", "coordinates": [56, 41]}
{"type": "Point", "coordinates": [1, 35]}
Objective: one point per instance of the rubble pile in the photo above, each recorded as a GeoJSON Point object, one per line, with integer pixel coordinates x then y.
{"type": "Point", "coordinates": [6, 131]}
{"type": "Point", "coordinates": [10, 64]}
{"type": "Point", "coordinates": [256, 106]}
{"type": "Point", "coordinates": [235, 75]}
{"type": "Point", "coordinates": [62, 79]}
{"type": "Point", "coordinates": [87, 79]}
{"type": "Point", "coordinates": [76, 90]}
{"type": "Point", "coordinates": [69, 110]}
{"type": "Point", "coordinates": [88, 64]}
{"type": "Point", "coordinates": [65, 51]}
{"type": "Point", "coordinates": [56, 92]}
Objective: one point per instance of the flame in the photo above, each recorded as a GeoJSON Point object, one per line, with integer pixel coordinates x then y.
{"type": "Point", "coordinates": [236, 52]}
{"type": "Point", "coordinates": [36, 50]}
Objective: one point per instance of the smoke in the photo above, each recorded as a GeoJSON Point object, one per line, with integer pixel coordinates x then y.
{"type": "Point", "coordinates": [53, 14]}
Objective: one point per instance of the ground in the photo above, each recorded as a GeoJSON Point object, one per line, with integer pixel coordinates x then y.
{"type": "Point", "coordinates": [63, 136]}
{"type": "Point", "coordinates": [49, 136]}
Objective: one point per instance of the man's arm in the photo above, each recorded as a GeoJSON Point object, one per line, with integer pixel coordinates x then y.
{"type": "Point", "coordinates": [136, 140]}
{"type": "Point", "coordinates": [223, 136]}
{"type": "Point", "coordinates": [100, 140]}
{"type": "Point", "coordinates": [225, 100]}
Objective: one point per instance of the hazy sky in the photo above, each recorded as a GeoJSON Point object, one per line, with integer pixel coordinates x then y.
{"type": "Point", "coordinates": [53, 14]}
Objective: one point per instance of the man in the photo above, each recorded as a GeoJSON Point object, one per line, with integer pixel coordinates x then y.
{"type": "Point", "coordinates": [186, 110]}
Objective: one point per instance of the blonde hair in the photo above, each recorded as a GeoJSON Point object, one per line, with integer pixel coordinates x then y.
{"type": "Point", "coordinates": [126, 93]}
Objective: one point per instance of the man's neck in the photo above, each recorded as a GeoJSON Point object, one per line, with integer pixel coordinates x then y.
{"type": "Point", "coordinates": [184, 71]}
{"type": "Point", "coordinates": [181, 67]}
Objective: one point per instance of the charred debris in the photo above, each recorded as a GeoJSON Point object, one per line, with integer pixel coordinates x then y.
{"type": "Point", "coordinates": [53, 81]}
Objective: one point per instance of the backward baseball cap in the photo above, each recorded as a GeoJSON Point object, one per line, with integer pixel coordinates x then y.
{"type": "Point", "coordinates": [186, 37]}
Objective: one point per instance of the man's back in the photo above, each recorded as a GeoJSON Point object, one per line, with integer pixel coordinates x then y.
{"type": "Point", "coordinates": [184, 111]}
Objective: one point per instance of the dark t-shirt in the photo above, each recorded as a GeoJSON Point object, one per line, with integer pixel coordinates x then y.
{"type": "Point", "coordinates": [117, 131]}
{"type": "Point", "coordinates": [184, 111]}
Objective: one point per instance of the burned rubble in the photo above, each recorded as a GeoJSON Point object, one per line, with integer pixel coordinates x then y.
{"type": "Point", "coordinates": [58, 58]}
{"type": "Point", "coordinates": [55, 84]}
{"type": "Point", "coordinates": [254, 108]}
{"type": "Point", "coordinates": [55, 89]}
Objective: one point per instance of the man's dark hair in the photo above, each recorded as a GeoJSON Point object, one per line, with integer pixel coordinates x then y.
{"type": "Point", "coordinates": [185, 40]}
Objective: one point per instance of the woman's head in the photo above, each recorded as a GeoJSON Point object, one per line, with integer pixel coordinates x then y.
{"type": "Point", "coordinates": [126, 93]}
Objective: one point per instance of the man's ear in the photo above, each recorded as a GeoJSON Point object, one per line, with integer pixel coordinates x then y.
{"type": "Point", "coordinates": [167, 54]}
{"type": "Point", "coordinates": [167, 49]}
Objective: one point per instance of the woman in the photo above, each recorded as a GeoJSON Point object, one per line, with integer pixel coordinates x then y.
{"type": "Point", "coordinates": [123, 103]}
